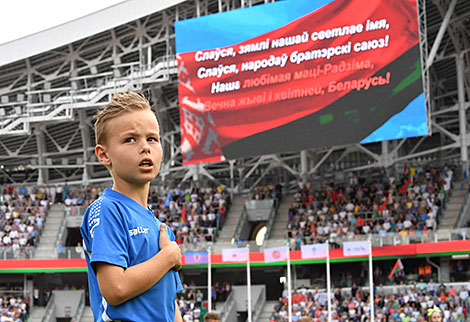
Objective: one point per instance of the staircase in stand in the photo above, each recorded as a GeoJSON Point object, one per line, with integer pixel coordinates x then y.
{"type": "Point", "coordinates": [51, 229]}
{"type": "Point", "coordinates": [451, 212]}
{"type": "Point", "coordinates": [266, 311]}
{"type": "Point", "coordinates": [37, 313]}
{"type": "Point", "coordinates": [279, 228]}
{"type": "Point", "coordinates": [233, 216]}
{"type": "Point", "coordinates": [87, 315]}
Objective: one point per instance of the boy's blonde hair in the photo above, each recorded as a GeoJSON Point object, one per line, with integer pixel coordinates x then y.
{"type": "Point", "coordinates": [120, 103]}
{"type": "Point", "coordinates": [211, 316]}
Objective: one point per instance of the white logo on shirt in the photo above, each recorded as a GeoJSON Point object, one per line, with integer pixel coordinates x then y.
{"type": "Point", "coordinates": [93, 220]}
{"type": "Point", "coordinates": [138, 230]}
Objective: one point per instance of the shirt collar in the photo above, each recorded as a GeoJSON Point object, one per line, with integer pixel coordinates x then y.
{"type": "Point", "coordinates": [113, 194]}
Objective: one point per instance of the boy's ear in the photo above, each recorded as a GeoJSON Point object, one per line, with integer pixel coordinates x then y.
{"type": "Point", "coordinates": [102, 155]}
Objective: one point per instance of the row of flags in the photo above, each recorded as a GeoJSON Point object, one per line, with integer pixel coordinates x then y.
{"type": "Point", "coordinates": [276, 254]}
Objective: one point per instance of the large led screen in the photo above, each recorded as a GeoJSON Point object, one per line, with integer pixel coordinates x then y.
{"type": "Point", "coordinates": [298, 74]}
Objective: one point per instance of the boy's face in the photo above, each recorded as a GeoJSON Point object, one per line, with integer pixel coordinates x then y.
{"type": "Point", "coordinates": [436, 317]}
{"type": "Point", "coordinates": [132, 151]}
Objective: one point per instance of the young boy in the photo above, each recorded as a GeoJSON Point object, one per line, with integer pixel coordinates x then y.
{"type": "Point", "coordinates": [131, 256]}
{"type": "Point", "coordinates": [211, 317]}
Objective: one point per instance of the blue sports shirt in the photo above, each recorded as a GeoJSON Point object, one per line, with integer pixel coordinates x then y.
{"type": "Point", "coordinates": [118, 230]}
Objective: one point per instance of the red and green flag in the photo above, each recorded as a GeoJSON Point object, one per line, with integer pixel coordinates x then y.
{"type": "Point", "coordinates": [386, 202]}
{"type": "Point", "coordinates": [183, 215]}
{"type": "Point", "coordinates": [407, 185]}
{"type": "Point", "coordinates": [397, 267]}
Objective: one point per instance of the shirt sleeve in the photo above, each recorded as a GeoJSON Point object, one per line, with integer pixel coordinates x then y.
{"type": "Point", "coordinates": [108, 234]}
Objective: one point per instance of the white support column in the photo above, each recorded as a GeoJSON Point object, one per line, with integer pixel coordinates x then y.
{"type": "Point", "coordinates": [209, 279]}
{"type": "Point", "coordinates": [303, 165]}
{"type": "Point", "coordinates": [42, 172]}
{"type": "Point", "coordinates": [385, 155]}
{"type": "Point", "coordinates": [462, 113]}
{"type": "Point", "coordinates": [86, 141]}
{"type": "Point", "coordinates": [241, 181]}
{"type": "Point", "coordinates": [195, 172]}
{"type": "Point", "coordinates": [371, 283]}
{"type": "Point", "coordinates": [248, 284]}
{"type": "Point", "coordinates": [328, 280]}
{"type": "Point", "coordinates": [289, 287]}
{"type": "Point", "coordinates": [232, 181]}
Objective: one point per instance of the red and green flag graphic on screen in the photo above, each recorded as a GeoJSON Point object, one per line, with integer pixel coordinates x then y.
{"type": "Point", "coordinates": [273, 90]}
{"type": "Point", "coordinates": [397, 267]}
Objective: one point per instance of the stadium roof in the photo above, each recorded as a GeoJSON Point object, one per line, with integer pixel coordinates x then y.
{"type": "Point", "coordinates": [80, 28]}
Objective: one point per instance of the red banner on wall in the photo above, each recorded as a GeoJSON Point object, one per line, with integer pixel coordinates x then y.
{"type": "Point", "coordinates": [445, 248]}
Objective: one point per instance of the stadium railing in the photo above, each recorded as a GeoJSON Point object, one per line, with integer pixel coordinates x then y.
{"type": "Point", "coordinates": [229, 304]}
{"type": "Point", "coordinates": [258, 307]}
{"type": "Point", "coordinates": [49, 314]}
{"type": "Point", "coordinates": [81, 306]}
{"type": "Point", "coordinates": [8, 252]}
{"type": "Point", "coordinates": [335, 242]}
{"type": "Point", "coordinates": [241, 221]}
{"type": "Point", "coordinates": [259, 209]}
{"type": "Point", "coordinates": [71, 252]}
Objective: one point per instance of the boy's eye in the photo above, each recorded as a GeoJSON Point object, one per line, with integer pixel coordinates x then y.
{"type": "Point", "coordinates": [153, 139]}
{"type": "Point", "coordinates": [130, 140]}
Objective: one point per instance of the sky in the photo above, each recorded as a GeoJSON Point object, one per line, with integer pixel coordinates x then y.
{"type": "Point", "coordinates": [25, 17]}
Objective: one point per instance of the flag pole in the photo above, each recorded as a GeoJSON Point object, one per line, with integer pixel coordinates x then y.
{"type": "Point", "coordinates": [328, 279]}
{"type": "Point", "coordinates": [209, 279]}
{"type": "Point", "coordinates": [371, 282]}
{"type": "Point", "coordinates": [289, 290]}
{"type": "Point", "coordinates": [248, 282]}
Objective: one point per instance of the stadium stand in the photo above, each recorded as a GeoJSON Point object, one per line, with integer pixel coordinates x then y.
{"type": "Point", "coordinates": [395, 303]}
{"type": "Point", "coordinates": [377, 204]}
{"type": "Point", "coordinates": [23, 212]}
{"type": "Point", "coordinates": [270, 191]}
{"type": "Point", "coordinates": [193, 301]}
{"type": "Point", "coordinates": [195, 214]}
{"type": "Point", "coordinates": [13, 308]}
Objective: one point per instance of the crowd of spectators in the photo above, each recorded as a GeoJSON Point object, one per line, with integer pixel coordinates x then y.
{"type": "Point", "coordinates": [381, 205]}
{"type": "Point", "coordinates": [22, 215]}
{"type": "Point", "coordinates": [364, 205]}
{"type": "Point", "coordinates": [193, 303]}
{"type": "Point", "coordinates": [401, 303]}
{"type": "Point", "coordinates": [195, 214]}
{"type": "Point", "coordinates": [83, 197]}
{"type": "Point", "coordinates": [14, 308]}
{"type": "Point", "coordinates": [270, 191]}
